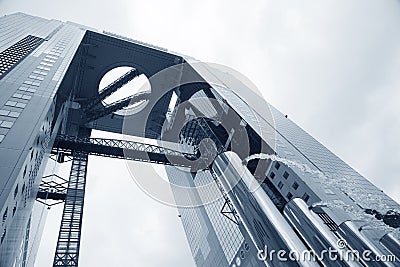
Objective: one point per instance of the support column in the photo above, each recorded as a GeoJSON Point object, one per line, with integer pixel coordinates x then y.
{"type": "Point", "coordinates": [67, 251]}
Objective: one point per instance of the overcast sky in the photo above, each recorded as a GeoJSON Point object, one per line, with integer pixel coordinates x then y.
{"type": "Point", "coordinates": [332, 66]}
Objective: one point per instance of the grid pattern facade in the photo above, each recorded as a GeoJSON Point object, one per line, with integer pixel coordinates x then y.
{"type": "Point", "coordinates": [194, 221]}
{"type": "Point", "coordinates": [228, 233]}
{"type": "Point", "coordinates": [16, 52]}
{"type": "Point", "coordinates": [336, 174]}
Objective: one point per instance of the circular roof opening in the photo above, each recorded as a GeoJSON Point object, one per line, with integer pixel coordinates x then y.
{"type": "Point", "coordinates": [137, 85]}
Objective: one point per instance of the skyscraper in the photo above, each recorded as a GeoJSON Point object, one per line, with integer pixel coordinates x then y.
{"type": "Point", "coordinates": [50, 103]}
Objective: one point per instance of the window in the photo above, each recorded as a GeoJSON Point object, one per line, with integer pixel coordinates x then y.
{"type": "Point", "coordinates": [16, 95]}
{"type": "Point", "coordinates": [15, 191]}
{"type": "Point", "coordinates": [306, 197]}
{"type": "Point", "coordinates": [43, 68]}
{"type": "Point", "coordinates": [49, 60]}
{"type": "Point", "coordinates": [35, 77]}
{"type": "Point", "coordinates": [22, 96]}
{"type": "Point", "coordinates": [46, 64]}
{"type": "Point", "coordinates": [24, 173]}
{"type": "Point", "coordinates": [6, 124]}
{"type": "Point", "coordinates": [280, 185]}
{"type": "Point", "coordinates": [54, 53]}
{"type": "Point", "coordinates": [5, 214]}
{"type": "Point", "coordinates": [14, 209]}
{"type": "Point", "coordinates": [53, 57]}
{"type": "Point", "coordinates": [7, 113]}
{"type": "Point", "coordinates": [295, 186]}
{"type": "Point", "coordinates": [20, 105]}
{"type": "Point", "coordinates": [44, 73]}
{"type": "Point", "coordinates": [40, 72]}
{"type": "Point", "coordinates": [3, 236]}
{"type": "Point", "coordinates": [289, 195]}
{"type": "Point", "coordinates": [272, 175]}
{"type": "Point", "coordinates": [2, 137]}
{"type": "Point", "coordinates": [30, 90]}
{"type": "Point", "coordinates": [14, 114]}
{"type": "Point", "coordinates": [11, 103]}
{"type": "Point", "coordinates": [285, 175]}
{"type": "Point", "coordinates": [277, 165]}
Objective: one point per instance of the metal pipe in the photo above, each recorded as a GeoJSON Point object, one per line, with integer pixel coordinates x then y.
{"type": "Point", "coordinates": [358, 242]}
{"type": "Point", "coordinates": [391, 244]}
{"type": "Point", "coordinates": [316, 233]}
{"type": "Point", "coordinates": [261, 219]}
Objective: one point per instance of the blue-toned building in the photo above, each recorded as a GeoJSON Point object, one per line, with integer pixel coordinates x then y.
{"type": "Point", "coordinates": [50, 102]}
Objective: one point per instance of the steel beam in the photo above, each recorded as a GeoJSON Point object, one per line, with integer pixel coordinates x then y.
{"type": "Point", "coordinates": [67, 251]}
{"type": "Point", "coordinates": [94, 114]}
{"type": "Point", "coordinates": [112, 88]}
{"type": "Point", "coordinates": [129, 150]}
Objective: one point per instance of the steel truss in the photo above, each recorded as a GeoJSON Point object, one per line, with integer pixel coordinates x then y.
{"type": "Point", "coordinates": [96, 113]}
{"type": "Point", "coordinates": [68, 244]}
{"type": "Point", "coordinates": [112, 88]}
{"type": "Point", "coordinates": [130, 150]}
{"type": "Point", "coordinates": [67, 251]}
{"type": "Point", "coordinates": [52, 187]}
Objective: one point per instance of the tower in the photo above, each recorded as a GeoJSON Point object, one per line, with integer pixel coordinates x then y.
{"type": "Point", "coordinates": [50, 103]}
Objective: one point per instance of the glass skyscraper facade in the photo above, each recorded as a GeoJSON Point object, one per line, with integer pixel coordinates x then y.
{"type": "Point", "coordinates": [299, 167]}
{"type": "Point", "coordinates": [35, 55]}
